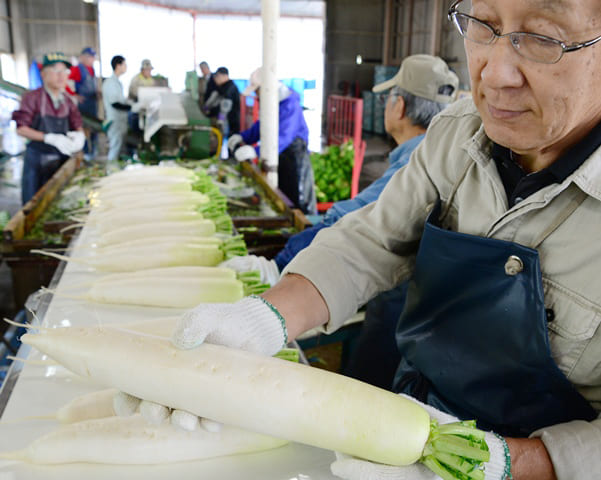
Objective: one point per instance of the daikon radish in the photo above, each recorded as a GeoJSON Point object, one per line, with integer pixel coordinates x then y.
{"type": "Point", "coordinates": [176, 239]}
{"type": "Point", "coordinates": [106, 194]}
{"type": "Point", "coordinates": [131, 441]}
{"type": "Point", "coordinates": [132, 201]}
{"type": "Point", "coordinates": [86, 407]}
{"type": "Point", "coordinates": [201, 228]}
{"type": "Point", "coordinates": [171, 293]}
{"type": "Point", "coordinates": [254, 392]}
{"type": "Point", "coordinates": [157, 252]}
{"type": "Point", "coordinates": [140, 258]}
{"type": "Point", "coordinates": [122, 218]}
{"type": "Point", "coordinates": [144, 173]}
{"type": "Point", "coordinates": [172, 272]}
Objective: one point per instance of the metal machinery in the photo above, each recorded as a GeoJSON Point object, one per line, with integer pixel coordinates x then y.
{"type": "Point", "coordinates": [174, 126]}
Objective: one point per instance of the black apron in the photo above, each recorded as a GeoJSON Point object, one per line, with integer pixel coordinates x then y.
{"type": "Point", "coordinates": [295, 176]}
{"type": "Point", "coordinates": [41, 160]}
{"type": "Point", "coordinates": [473, 334]}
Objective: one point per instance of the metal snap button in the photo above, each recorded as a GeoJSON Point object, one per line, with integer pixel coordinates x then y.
{"type": "Point", "coordinates": [514, 265]}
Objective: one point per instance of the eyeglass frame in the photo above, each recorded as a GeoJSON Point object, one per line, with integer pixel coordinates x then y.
{"type": "Point", "coordinates": [383, 97]}
{"type": "Point", "coordinates": [565, 48]}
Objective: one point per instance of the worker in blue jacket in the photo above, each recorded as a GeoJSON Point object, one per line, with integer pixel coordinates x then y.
{"type": "Point", "coordinates": [295, 174]}
{"type": "Point", "coordinates": [406, 118]}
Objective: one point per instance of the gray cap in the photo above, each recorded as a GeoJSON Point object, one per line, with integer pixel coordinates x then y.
{"type": "Point", "coordinates": [146, 64]}
{"type": "Point", "coordinates": [424, 76]}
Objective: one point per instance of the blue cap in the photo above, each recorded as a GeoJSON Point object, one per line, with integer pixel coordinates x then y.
{"type": "Point", "coordinates": [89, 51]}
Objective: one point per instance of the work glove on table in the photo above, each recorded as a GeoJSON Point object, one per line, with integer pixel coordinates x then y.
{"type": "Point", "coordinates": [270, 273]}
{"type": "Point", "coordinates": [251, 324]}
{"type": "Point", "coordinates": [351, 468]}
{"type": "Point", "coordinates": [245, 152]}
{"type": "Point", "coordinates": [61, 142]}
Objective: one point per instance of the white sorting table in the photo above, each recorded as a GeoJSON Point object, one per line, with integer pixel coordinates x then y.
{"type": "Point", "coordinates": [34, 390]}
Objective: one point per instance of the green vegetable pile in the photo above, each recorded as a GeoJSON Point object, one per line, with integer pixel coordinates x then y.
{"type": "Point", "coordinates": [4, 218]}
{"type": "Point", "coordinates": [333, 170]}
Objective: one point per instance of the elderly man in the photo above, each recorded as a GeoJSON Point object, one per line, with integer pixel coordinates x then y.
{"type": "Point", "coordinates": [142, 79]}
{"type": "Point", "coordinates": [51, 121]}
{"type": "Point", "coordinates": [495, 219]}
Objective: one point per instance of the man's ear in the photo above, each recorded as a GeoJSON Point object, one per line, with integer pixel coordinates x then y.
{"type": "Point", "coordinates": [400, 107]}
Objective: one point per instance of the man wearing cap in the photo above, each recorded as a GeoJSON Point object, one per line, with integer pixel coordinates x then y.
{"type": "Point", "coordinates": [49, 118]}
{"type": "Point", "coordinates": [142, 79]}
{"type": "Point", "coordinates": [225, 102]}
{"type": "Point", "coordinates": [295, 174]}
{"type": "Point", "coordinates": [422, 88]}
{"type": "Point", "coordinates": [86, 91]}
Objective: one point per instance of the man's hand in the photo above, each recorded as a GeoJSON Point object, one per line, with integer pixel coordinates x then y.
{"type": "Point", "coordinates": [78, 139]}
{"type": "Point", "coordinates": [59, 141]}
{"type": "Point", "coordinates": [250, 324]}
{"type": "Point", "coordinates": [245, 152]}
{"type": "Point", "coordinates": [350, 468]}
{"type": "Point", "coordinates": [270, 273]}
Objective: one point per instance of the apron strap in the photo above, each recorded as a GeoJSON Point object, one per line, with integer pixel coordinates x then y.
{"type": "Point", "coordinates": [577, 198]}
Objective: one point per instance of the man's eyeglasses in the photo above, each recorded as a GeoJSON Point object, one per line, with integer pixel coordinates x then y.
{"type": "Point", "coordinates": [535, 47]}
{"type": "Point", "coordinates": [384, 96]}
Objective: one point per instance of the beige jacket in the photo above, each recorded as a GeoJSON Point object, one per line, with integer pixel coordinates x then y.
{"type": "Point", "coordinates": [373, 249]}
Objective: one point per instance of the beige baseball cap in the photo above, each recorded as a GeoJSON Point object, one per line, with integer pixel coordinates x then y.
{"type": "Point", "coordinates": [146, 64]}
{"type": "Point", "coordinates": [424, 76]}
{"type": "Point", "coordinates": [255, 82]}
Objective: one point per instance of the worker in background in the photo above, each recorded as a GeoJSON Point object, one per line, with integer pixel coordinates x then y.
{"type": "Point", "coordinates": [206, 84]}
{"type": "Point", "coordinates": [225, 102]}
{"type": "Point", "coordinates": [295, 174]}
{"type": "Point", "coordinates": [86, 91]}
{"type": "Point", "coordinates": [411, 99]}
{"type": "Point", "coordinates": [142, 79]}
{"type": "Point", "coordinates": [49, 118]}
{"type": "Point", "coordinates": [116, 108]}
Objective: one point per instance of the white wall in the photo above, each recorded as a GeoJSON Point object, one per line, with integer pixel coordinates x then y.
{"type": "Point", "coordinates": [138, 32]}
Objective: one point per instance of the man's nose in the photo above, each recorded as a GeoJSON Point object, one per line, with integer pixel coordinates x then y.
{"type": "Point", "coordinates": [503, 65]}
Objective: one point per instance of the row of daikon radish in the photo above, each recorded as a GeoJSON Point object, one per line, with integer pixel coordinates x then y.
{"type": "Point", "coordinates": [151, 229]}
{"type": "Point", "coordinates": [90, 431]}
{"type": "Point", "coordinates": [253, 392]}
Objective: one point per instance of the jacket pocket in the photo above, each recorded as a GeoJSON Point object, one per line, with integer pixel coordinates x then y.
{"type": "Point", "coordinates": [574, 334]}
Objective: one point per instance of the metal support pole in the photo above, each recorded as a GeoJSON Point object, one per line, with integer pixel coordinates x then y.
{"type": "Point", "coordinates": [269, 113]}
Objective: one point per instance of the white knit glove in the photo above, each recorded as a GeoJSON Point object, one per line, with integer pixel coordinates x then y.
{"type": "Point", "coordinates": [270, 273]}
{"type": "Point", "coordinates": [78, 139]}
{"type": "Point", "coordinates": [245, 152]}
{"type": "Point", "coordinates": [61, 142]}
{"type": "Point", "coordinates": [250, 324]}
{"type": "Point", "coordinates": [233, 142]}
{"type": "Point", "coordinates": [351, 468]}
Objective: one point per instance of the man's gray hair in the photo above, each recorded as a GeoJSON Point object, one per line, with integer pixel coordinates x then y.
{"type": "Point", "coordinates": [418, 109]}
